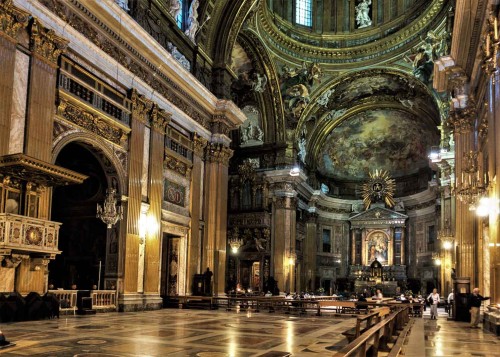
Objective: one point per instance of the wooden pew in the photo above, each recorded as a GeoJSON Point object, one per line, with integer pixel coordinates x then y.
{"type": "Point", "coordinates": [372, 318]}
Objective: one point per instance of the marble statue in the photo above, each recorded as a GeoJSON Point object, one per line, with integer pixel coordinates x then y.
{"type": "Point", "coordinates": [362, 14]}
{"type": "Point", "coordinates": [302, 149]}
{"type": "Point", "coordinates": [325, 97]}
{"type": "Point", "coordinates": [251, 133]}
{"type": "Point", "coordinates": [259, 83]}
{"type": "Point", "coordinates": [192, 21]}
{"type": "Point", "coordinates": [179, 57]}
{"type": "Point", "coordinates": [175, 8]}
{"type": "Point", "coordinates": [123, 4]}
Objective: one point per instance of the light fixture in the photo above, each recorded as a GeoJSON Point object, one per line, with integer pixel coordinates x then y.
{"type": "Point", "coordinates": [295, 171]}
{"type": "Point", "coordinates": [471, 186]}
{"type": "Point", "coordinates": [487, 206]}
{"type": "Point", "coordinates": [147, 225]}
{"type": "Point", "coordinates": [292, 257]}
{"type": "Point", "coordinates": [436, 256]}
{"type": "Point", "coordinates": [434, 155]}
{"type": "Point", "coordinates": [111, 213]}
{"type": "Point", "coordinates": [234, 241]}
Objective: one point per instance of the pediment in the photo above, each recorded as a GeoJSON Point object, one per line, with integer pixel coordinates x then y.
{"type": "Point", "coordinates": [378, 216]}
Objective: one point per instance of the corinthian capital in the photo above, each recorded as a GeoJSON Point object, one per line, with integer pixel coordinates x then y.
{"type": "Point", "coordinates": [12, 19]}
{"type": "Point", "coordinates": [216, 152]}
{"type": "Point", "coordinates": [461, 120]}
{"type": "Point", "coordinates": [199, 144]}
{"type": "Point", "coordinates": [159, 119]}
{"type": "Point", "coordinates": [45, 43]}
{"type": "Point", "coordinates": [140, 106]}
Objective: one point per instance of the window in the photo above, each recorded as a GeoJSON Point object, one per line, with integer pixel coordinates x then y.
{"type": "Point", "coordinates": [327, 245]}
{"type": "Point", "coordinates": [431, 235]}
{"type": "Point", "coordinates": [303, 12]}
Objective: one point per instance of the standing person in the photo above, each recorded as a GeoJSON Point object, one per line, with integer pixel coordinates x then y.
{"type": "Point", "coordinates": [475, 301]}
{"type": "Point", "coordinates": [433, 298]}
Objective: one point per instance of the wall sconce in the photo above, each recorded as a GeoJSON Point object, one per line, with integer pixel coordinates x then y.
{"type": "Point", "coordinates": [292, 257]}
{"type": "Point", "coordinates": [295, 171]}
{"type": "Point", "coordinates": [487, 206]}
{"type": "Point", "coordinates": [147, 226]}
{"type": "Point", "coordinates": [436, 256]}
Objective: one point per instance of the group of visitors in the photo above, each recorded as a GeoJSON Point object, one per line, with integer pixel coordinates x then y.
{"type": "Point", "coordinates": [474, 304]}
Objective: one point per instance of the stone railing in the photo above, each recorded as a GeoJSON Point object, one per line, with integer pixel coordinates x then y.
{"type": "Point", "coordinates": [27, 234]}
{"type": "Point", "coordinates": [67, 299]}
{"type": "Point", "coordinates": [103, 299]}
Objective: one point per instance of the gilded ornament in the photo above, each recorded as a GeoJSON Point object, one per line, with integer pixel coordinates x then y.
{"type": "Point", "coordinates": [379, 187]}
{"type": "Point", "coordinates": [45, 43]}
{"type": "Point", "coordinates": [91, 122]}
{"type": "Point", "coordinates": [199, 144]}
{"type": "Point", "coordinates": [12, 19]}
{"type": "Point", "coordinates": [140, 106]}
{"type": "Point", "coordinates": [159, 119]}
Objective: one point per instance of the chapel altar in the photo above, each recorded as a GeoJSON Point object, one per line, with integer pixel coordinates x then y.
{"type": "Point", "coordinates": [377, 261]}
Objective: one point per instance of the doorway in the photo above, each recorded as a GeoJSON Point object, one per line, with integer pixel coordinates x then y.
{"type": "Point", "coordinates": [170, 266]}
{"type": "Point", "coordinates": [82, 237]}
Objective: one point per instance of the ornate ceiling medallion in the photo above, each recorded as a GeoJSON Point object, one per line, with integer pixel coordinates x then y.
{"type": "Point", "coordinates": [379, 187]}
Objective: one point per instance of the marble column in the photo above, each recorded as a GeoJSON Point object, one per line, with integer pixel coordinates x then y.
{"type": "Point", "coordinates": [45, 48]}
{"type": "Point", "coordinates": [215, 212]}
{"type": "Point", "coordinates": [310, 252]}
{"type": "Point", "coordinates": [13, 20]}
{"type": "Point", "coordinates": [195, 238]}
{"type": "Point", "coordinates": [462, 120]}
{"type": "Point", "coordinates": [159, 121]}
{"type": "Point", "coordinates": [128, 299]}
{"type": "Point", "coordinates": [284, 227]}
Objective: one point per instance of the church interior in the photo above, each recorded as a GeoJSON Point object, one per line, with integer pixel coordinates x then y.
{"type": "Point", "coordinates": [156, 150]}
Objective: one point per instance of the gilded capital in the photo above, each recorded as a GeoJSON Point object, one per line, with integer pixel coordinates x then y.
{"type": "Point", "coordinates": [12, 19]}
{"type": "Point", "coordinates": [159, 119]}
{"type": "Point", "coordinates": [45, 44]}
{"type": "Point", "coordinates": [199, 144]}
{"type": "Point", "coordinates": [140, 106]}
{"type": "Point", "coordinates": [215, 152]}
{"type": "Point", "coordinates": [461, 121]}
{"type": "Point", "coordinates": [285, 202]}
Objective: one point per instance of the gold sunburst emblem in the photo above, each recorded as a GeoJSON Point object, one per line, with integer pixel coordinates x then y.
{"type": "Point", "coordinates": [380, 187]}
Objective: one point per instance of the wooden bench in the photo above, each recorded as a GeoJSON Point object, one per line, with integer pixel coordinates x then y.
{"type": "Point", "coordinates": [372, 318]}
{"type": "Point", "coordinates": [337, 306]}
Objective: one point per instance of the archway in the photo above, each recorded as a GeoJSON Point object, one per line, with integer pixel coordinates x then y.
{"type": "Point", "coordinates": [84, 240]}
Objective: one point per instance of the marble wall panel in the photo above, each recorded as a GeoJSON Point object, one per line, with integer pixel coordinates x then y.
{"type": "Point", "coordinates": [19, 97]}
{"type": "Point", "coordinates": [145, 163]}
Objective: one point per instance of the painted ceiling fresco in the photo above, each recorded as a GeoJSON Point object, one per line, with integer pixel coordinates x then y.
{"type": "Point", "coordinates": [384, 139]}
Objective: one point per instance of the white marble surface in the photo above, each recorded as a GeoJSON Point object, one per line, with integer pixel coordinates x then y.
{"type": "Point", "coordinates": [145, 163]}
{"type": "Point", "coordinates": [19, 97]}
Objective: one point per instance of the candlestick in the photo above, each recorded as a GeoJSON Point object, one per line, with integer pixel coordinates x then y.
{"type": "Point", "coordinates": [495, 25]}
{"type": "Point", "coordinates": [488, 45]}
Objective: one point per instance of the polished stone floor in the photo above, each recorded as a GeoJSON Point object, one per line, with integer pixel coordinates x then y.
{"type": "Point", "coordinates": [204, 333]}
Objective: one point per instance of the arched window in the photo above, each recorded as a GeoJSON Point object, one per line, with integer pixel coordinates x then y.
{"type": "Point", "coordinates": [303, 12]}
{"type": "Point", "coordinates": [180, 17]}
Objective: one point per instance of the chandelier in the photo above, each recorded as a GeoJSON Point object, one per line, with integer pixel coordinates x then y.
{"type": "Point", "coordinates": [234, 241]}
{"type": "Point", "coordinates": [472, 186]}
{"type": "Point", "coordinates": [446, 236]}
{"type": "Point", "coordinates": [111, 213]}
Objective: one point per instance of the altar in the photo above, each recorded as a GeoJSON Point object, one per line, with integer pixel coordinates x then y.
{"type": "Point", "coordinates": [377, 257]}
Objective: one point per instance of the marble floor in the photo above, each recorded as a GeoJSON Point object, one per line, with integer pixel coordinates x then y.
{"type": "Point", "coordinates": [203, 333]}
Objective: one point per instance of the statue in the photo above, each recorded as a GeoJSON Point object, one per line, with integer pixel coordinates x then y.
{"type": "Point", "coordinates": [325, 97]}
{"type": "Point", "coordinates": [123, 4]}
{"type": "Point", "coordinates": [175, 8]}
{"type": "Point", "coordinates": [362, 14]}
{"type": "Point", "coordinates": [251, 132]}
{"type": "Point", "coordinates": [192, 21]}
{"type": "Point", "coordinates": [179, 57]}
{"type": "Point", "coordinates": [259, 83]}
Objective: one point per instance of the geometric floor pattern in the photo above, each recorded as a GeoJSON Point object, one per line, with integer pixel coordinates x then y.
{"type": "Point", "coordinates": [204, 333]}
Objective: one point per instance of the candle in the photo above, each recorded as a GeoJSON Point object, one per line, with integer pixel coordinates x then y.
{"type": "Point", "coordinates": [495, 25]}
{"type": "Point", "coordinates": [488, 45]}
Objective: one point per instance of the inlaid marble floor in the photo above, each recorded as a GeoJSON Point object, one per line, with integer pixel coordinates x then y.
{"type": "Point", "coordinates": [172, 332]}
{"type": "Point", "coordinates": [202, 333]}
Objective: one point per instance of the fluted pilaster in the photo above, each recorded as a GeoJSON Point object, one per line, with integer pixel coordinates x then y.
{"type": "Point", "coordinates": [159, 122]}
{"type": "Point", "coordinates": [46, 47]}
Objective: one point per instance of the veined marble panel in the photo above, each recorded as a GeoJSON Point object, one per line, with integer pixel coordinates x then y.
{"type": "Point", "coordinates": [7, 281]}
{"type": "Point", "coordinates": [145, 162]}
{"type": "Point", "coordinates": [19, 100]}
